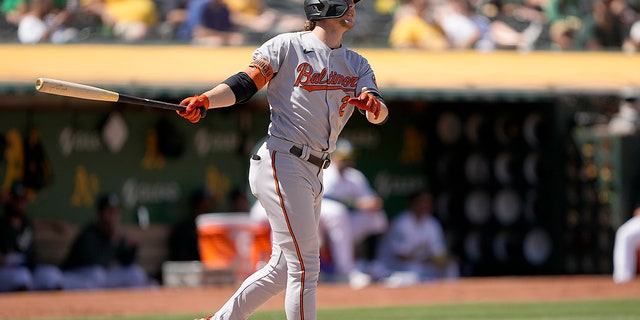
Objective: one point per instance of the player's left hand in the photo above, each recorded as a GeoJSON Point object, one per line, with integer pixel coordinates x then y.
{"type": "Point", "coordinates": [368, 102]}
{"type": "Point", "coordinates": [196, 108]}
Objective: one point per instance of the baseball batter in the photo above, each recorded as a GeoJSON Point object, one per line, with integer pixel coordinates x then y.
{"type": "Point", "coordinates": [314, 85]}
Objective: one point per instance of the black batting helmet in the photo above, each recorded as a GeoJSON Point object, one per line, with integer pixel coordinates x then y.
{"type": "Point", "coordinates": [325, 9]}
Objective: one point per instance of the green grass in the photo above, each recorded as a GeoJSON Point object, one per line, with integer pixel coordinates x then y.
{"type": "Point", "coordinates": [584, 310]}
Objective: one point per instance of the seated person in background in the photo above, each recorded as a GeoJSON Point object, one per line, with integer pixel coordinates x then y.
{"type": "Point", "coordinates": [415, 244]}
{"type": "Point", "coordinates": [183, 240]}
{"type": "Point", "coordinates": [129, 20]}
{"type": "Point", "coordinates": [44, 23]}
{"type": "Point", "coordinates": [626, 121]}
{"type": "Point", "coordinates": [209, 23]}
{"type": "Point", "coordinates": [19, 269]}
{"type": "Point", "coordinates": [351, 215]}
{"type": "Point", "coordinates": [625, 249]}
{"type": "Point", "coordinates": [631, 44]}
{"type": "Point", "coordinates": [101, 255]}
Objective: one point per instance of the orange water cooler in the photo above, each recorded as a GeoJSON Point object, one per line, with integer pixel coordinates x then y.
{"type": "Point", "coordinates": [233, 243]}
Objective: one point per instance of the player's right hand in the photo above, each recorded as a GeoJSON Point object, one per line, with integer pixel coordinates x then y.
{"type": "Point", "coordinates": [196, 108]}
{"type": "Point", "coordinates": [368, 102]}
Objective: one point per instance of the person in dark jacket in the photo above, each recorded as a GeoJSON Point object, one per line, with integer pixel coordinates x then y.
{"type": "Point", "coordinates": [102, 256]}
{"type": "Point", "coordinates": [20, 269]}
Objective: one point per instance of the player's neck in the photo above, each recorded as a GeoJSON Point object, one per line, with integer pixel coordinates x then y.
{"type": "Point", "coordinates": [329, 34]}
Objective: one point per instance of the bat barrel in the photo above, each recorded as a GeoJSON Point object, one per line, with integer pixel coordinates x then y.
{"type": "Point", "coordinates": [75, 90]}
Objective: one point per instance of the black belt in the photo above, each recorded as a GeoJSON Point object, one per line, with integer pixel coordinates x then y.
{"type": "Point", "coordinates": [313, 159]}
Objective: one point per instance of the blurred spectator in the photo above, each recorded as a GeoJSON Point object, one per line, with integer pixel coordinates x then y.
{"type": "Point", "coordinates": [209, 23]}
{"type": "Point", "coordinates": [43, 22]}
{"type": "Point", "coordinates": [609, 24]}
{"type": "Point", "coordinates": [172, 14]}
{"type": "Point", "coordinates": [632, 42]}
{"type": "Point", "coordinates": [19, 268]}
{"type": "Point", "coordinates": [625, 249]}
{"type": "Point", "coordinates": [288, 15]}
{"type": "Point", "coordinates": [352, 216]}
{"type": "Point", "coordinates": [372, 26]}
{"type": "Point", "coordinates": [414, 249]}
{"type": "Point", "coordinates": [564, 22]}
{"type": "Point", "coordinates": [412, 30]}
{"type": "Point", "coordinates": [515, 25]}
{"type": "Point", "coordinates": [129, 20]}
{"type": "Point", "coordinates": [483, 23]}
{"type": "Point", "coordinates": [183, 239]}
{"type": "Point", "coordinates": [14, 10]}
{"type": "Point", "coordinates": [561, 9]}
{"type": "Point", "coordinates": [386, 6]}
{"type": "Point", "coordinates": [627, 119]}
{"type": "Point", "coordinates": [101, 255]}
{"type": "Point", "coordinates": [253, 18]}
{"type": "Point", "coordinates": [246, 8]}
{"type": "Point", "coordinates": [564, 34]}
{"type": "Point", "coordinates": [260, 20]}
{"type": "Point", "coordinates": [454, 17]}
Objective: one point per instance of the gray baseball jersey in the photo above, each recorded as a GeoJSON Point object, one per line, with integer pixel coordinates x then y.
{"type": "Point", "coordinates": [308, 95]}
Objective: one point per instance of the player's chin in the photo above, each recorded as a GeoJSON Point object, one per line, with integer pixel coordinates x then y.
{"type": "Point", "coordinates": [347, 23]}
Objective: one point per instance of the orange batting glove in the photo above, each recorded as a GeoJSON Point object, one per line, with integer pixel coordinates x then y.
{"type": "Point", "coordinates": [368, 102]}
{"type": "Point", "coordinates": [196, 108]}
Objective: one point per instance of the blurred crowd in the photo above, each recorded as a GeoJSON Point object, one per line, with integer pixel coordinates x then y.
{"type": "Point", "coordinates": [610, 25]}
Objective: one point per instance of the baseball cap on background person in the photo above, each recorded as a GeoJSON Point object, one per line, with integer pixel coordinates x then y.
{"type": "Point", "coordinates": [108, 200]}
{"type": "Point", "coordinates": [108, 212]}
{"type": "Point", "coordinates": [344, 151]}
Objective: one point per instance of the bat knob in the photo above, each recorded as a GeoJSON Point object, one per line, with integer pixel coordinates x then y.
{"type": "Point", "coordinates": [39, 83]}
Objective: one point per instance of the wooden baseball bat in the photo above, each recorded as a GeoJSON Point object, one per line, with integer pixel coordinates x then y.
{"type": "Point", "coordinates": [82, 91]}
